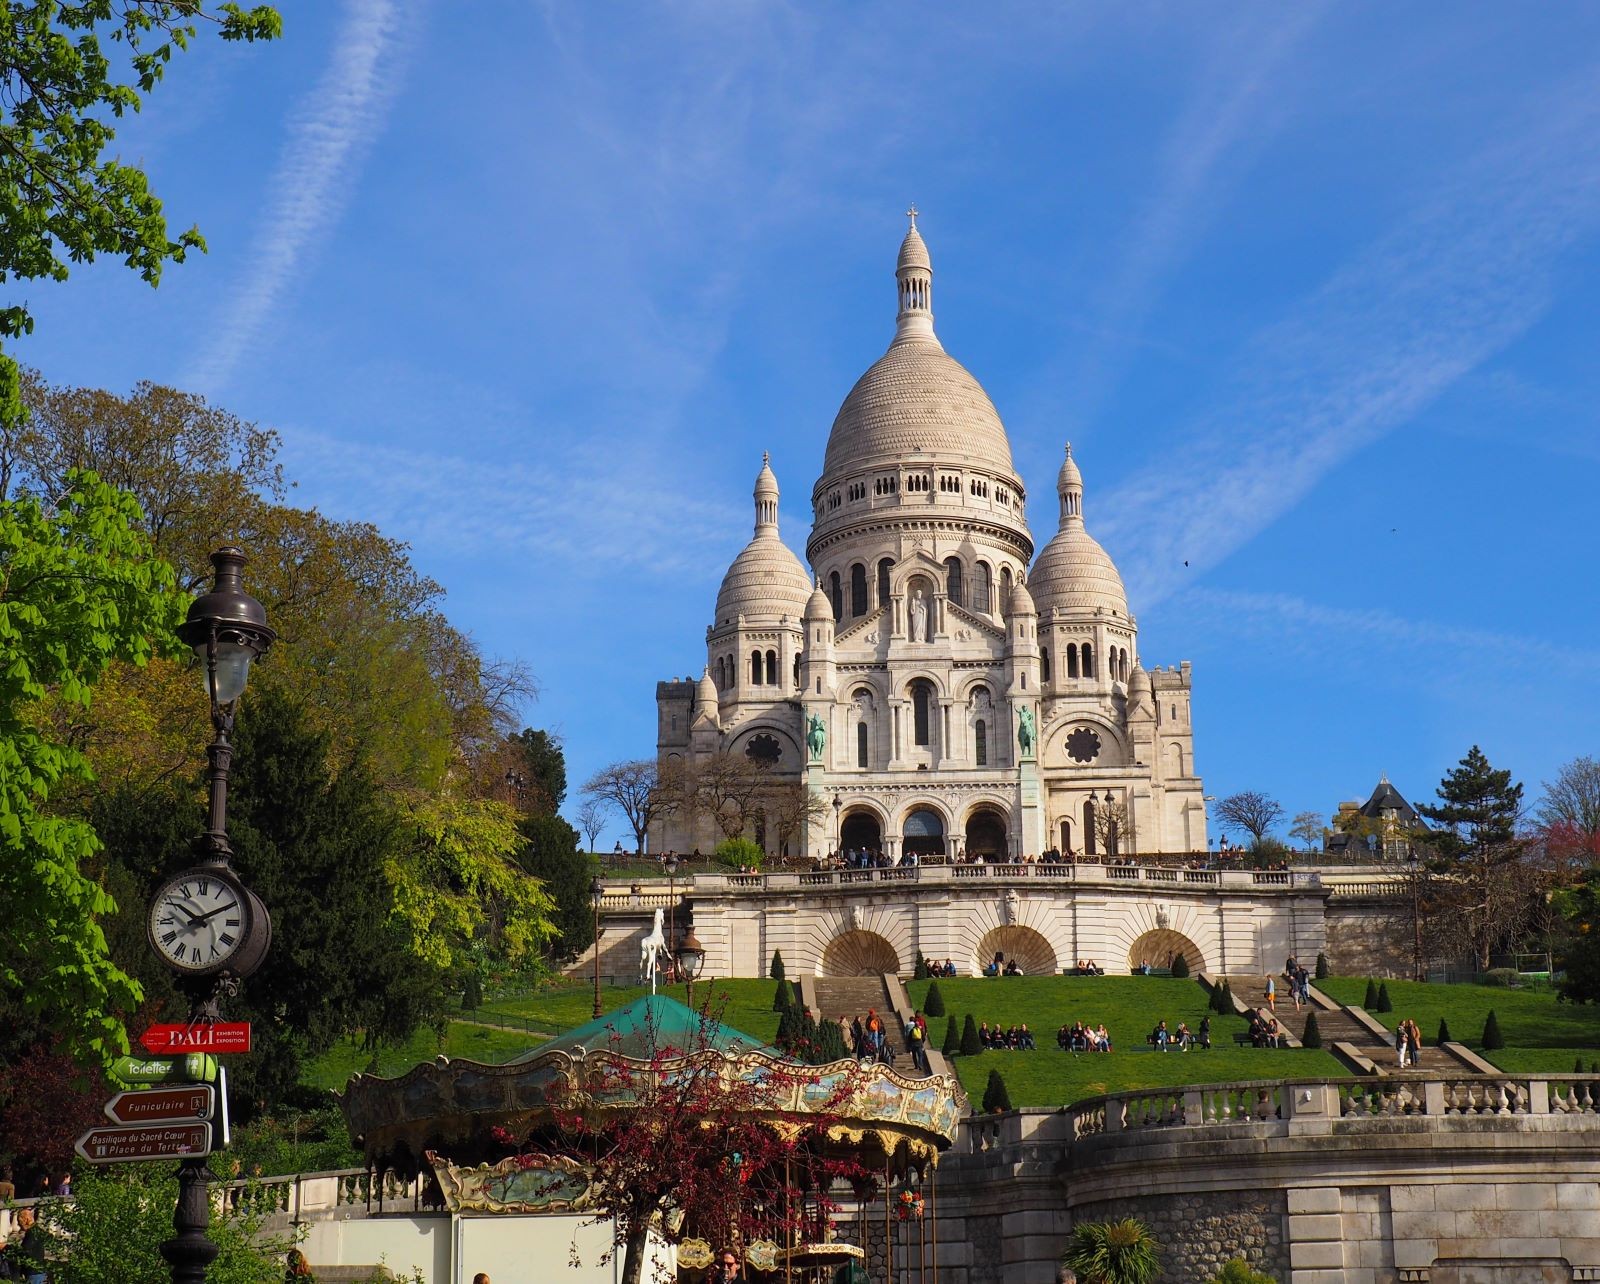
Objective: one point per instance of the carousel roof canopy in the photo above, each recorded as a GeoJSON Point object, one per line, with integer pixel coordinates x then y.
{"type": "Point", "coordinates": [651, 1024]}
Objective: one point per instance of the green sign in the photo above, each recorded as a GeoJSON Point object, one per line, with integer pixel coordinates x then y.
{"type": "Point", "coordinates": [197, 1067]}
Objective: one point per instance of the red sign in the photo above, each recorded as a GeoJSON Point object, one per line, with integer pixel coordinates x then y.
{"type": "Point", "coordinates": [162, 1105]}
{"type": "Point", "coordinates": [153, 1141]}
{"type": "Point", "coordinates": [215, 1036]}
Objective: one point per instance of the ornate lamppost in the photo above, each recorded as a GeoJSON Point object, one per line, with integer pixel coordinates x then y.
{"type": "Point", "coordinates": [597, 889]}
{"type": "Point", "coordinates": [203, 923]}
{"type": "Point", "coordinates": [671, 864]}
{"type": "Point", "coordinates": [838, 834]}
{"type": "Point", "coordinates": [690, 957]}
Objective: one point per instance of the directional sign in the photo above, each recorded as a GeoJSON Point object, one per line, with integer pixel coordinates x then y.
{"type": "Point", "coordinates": [151, 1141]}
{"type": "Point", "coordinates": [213, 1037]}
{"type": "Point", "coordinates": [162, 1105]}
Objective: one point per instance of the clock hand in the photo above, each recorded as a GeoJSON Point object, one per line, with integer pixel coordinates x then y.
{"type": "Point", "coordinates": [220, 909]}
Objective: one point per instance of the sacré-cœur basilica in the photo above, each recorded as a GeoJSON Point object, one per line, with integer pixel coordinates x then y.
{"type": "Point", "coordinates": [939, 687]}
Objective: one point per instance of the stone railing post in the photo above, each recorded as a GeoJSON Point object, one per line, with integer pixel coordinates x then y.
{"type": "Point", "coordinates": [1193, 1110]}
{"type": "Point", "coordinates": [1433, 1097]}
{"type": "Point", "coordinates": [1538, 1096]}
{"type": "Point", "coordinates": [1115, 1110]}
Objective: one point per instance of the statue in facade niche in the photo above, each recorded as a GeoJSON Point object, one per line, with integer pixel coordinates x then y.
{"type": "Point", "coordinates": [816, 737]}
{"type": "Point", "coordinates": [919, 618]}
{"type": "Point", "coordinates": [1025, 731]}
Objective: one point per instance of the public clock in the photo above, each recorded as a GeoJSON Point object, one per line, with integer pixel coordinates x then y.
{"type": "Point", "coordinates": [204, 922]}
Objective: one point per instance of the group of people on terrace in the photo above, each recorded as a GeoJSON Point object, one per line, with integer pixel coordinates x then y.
{"type": "Point", "coordinates": [1016, 1038]}
{"type": "Point", "coordinates": [934, 968]}
{"type": "Point", "coordinates": [1183, 1038]}
{"type": "Point", "coordinates": [1079, 1037]}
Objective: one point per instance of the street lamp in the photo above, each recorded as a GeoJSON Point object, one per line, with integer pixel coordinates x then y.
{"type": "Point", "coordinates": [671, 863]}
{"type": "Point", "coordinates": [204, 924]}
{"type": "Point", "coordinates": [597, 889]}
{"type": "Point", "coordinates": [838, 834]}
{"type": "Point", "coordinates": [690, 956]}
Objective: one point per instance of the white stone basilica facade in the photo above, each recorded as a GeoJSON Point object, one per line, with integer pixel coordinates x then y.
{"type": "Point", "coordinates": [939, 688]}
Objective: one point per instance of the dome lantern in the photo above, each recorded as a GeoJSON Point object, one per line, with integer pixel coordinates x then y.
{"type": "Point", "coordinates": [914, 273]}
{"type": "Point", "coordinates": [1069, 485]}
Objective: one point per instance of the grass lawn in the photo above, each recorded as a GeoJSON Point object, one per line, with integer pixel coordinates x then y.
{"type": "Point", "coordinates": [746, 1004]}
{"type": "Point", "coordinates": [1529, 1019]}
{"type": "Point", "coordinates": [1130, 1006]}
{"type": "Point", "coordinates": [1543, 1060]}
{"type": "Point", "coordinates": [476, 1043]}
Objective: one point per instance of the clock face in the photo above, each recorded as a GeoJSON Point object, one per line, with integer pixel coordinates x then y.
{"type": "Point", "coordinates": [199, 920]}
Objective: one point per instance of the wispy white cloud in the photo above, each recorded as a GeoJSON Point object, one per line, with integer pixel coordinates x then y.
{"type": "Point", "coordinates": [1445, 650]}
{"type": "Point", "coordinates": [1457, 281]}
{"type": "Point", "coordinates": [312, 182]}
{"type": "Point", "coordinates": [1223, 125]}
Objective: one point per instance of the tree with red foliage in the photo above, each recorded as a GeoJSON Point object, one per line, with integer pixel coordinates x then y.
{"type": "Point", "coordinates": [694, 1142]}
{"type": "Point", "coordinates": [46, 1101]}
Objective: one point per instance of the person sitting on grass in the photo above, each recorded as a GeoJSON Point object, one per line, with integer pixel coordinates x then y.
{"type": "Point", "coordinates": [1025, 1039]}
{"type": "Point", "coordinates": [1102, 1039]}
{"type": "Point", "coordinates": [1012, 969]}
{"type": "Point", "coordinates": [1160, 1038]}
{"type": "Point", "coordinates": [1064, 1039]}
{"type": "Point", "coordinates": [984, 1037]}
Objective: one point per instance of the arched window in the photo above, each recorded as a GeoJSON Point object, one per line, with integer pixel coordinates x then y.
{"type": "Point", "coordinates": [836, 595]}
{"type": "Point", "coordinates": [980, 744]}
{"type": "Point", "coordinates": [884, 566]}
{"type": "Point", "coordinates": [1088, 826]}
{"type": "Point", "coordinates": [858, 589]}
{"type": "Point", "coordinates": [755, 668]}
{"type": "Point", "coordinates": [1005, 587]}
{"type": "Point", "coordinates": [719, 673]}
{"type": "Point", "coordinates": [952, 578]}
{"type": "Point", "coordinates": [1088, 660]}
{"type": "Point", "coordinates": [982, 579]}
{"type": "Point", "coordinates": [1072, 659]}
{"type": "Point", "coordinates": [1044, 664]}
{"type": "Point", "coordinates": [796, 668]}
{"type": "Point", "coordinates": [772, 668]}
{"type": "Point", "coordinates": [1066, 838]}
{"type": "Point", "coordinates": [861, 745]}
{"type": "Point", "coordinates": [921, 712]}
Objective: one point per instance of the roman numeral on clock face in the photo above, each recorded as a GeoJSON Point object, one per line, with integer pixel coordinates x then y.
{"type": "Point", "coordinates": [169, 938]}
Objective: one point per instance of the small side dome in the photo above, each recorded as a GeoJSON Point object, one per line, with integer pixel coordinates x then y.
{"type": "Point", "coordinates": [818, 608]}
{"type": "Point", "coordinates": [1073, 573]}
{"type": "Point", "coordinates": [1021, 601]}
{"type": "Point", "coordinates": [766, 579]}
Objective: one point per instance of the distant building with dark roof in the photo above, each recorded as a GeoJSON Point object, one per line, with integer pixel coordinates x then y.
{"type": "Point", "coordinates": [1383, 827]}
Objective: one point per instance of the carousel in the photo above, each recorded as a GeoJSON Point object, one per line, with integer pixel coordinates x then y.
{"type": "Point", "coordinates": [814, 1173]}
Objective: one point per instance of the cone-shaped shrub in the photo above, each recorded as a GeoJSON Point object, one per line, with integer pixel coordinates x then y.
{"type": "Point", "coordinates": [1444, 1032]}
{"type": "Point", "coordinates": [1492, 1038]}
{"type": "Point", "coordinates": [1180, 967]}
{"type": "Point", "coordinates": [1371, 1000]}
{"type": "Point", "coordinates": [788, 1036]}
{"type": "Point", "coordinates": [970, 1047]}
{"type": "Point", "coordinates": [776, 970]}
{"type": "Point", "coordinates": [1225, 999]}
{"type": "Point", "coordinates": [995, 1095]}
{"type": "Point", "coordinates": [952, 1038]}
{"type": "Point", "coordinates": [921, 973]}
{"type": "Point", "coordinates": [1383, 998]}
{"type": "Point", "coordinates": [1577, 1066]}
{"type": "Point", "coordinates": [933, 1002]}
{"type": "Point", "coordinates": [1322, 967]}
{"type": "Point", "coordinates": [1312, 1038]}
{"type": "Point", "coordinates": [830, 1043]}
{"type": "Point", "coordinates": [1594, 1067]}
{"type": "Point", "coordinates": [784, 998]}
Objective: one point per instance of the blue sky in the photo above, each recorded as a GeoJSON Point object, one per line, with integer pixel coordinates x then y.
{"type": "Point", "coordinates": [1310, 288]}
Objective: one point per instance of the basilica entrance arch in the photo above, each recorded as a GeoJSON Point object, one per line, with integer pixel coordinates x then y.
{"type": "Point", "coordinates": [988, 834]}
{"type": "Point", "coordinates": [1157, 948]}
{"type": "Point", "coordinates": [860, 831]}
{"type": "Point", "coordinates": [1033, 954]}
{"type": "Point", "coordinates": [923, 832]}
{"type": "Point", "coordinates": [859, 953]}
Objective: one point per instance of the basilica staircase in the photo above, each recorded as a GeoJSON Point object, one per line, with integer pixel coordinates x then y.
{"type": "Point", "coordinates": [832, 997]}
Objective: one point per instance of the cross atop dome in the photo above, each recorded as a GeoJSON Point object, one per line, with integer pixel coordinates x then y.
{"type": "Point", "coordinates": [912, 215]}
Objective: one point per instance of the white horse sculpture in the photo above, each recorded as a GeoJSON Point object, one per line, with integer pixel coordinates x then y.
{"type": "Point", "coordinates": [651, 950]}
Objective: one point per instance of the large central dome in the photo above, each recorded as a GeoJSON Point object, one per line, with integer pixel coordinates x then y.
{"type": "Point", "coordinates": [916, 397]}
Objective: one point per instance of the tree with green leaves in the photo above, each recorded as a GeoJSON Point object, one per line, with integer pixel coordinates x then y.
{"type": "Point", "coordinates": [550, 853]}
{"type": "Point", "coordinates": [1310, 829]}
{"type": "Point", "coordinates": [637, 790]}
{"type": "Point", "coordinates": [80, 590]}
{"type": "Point", "coordinates": [546, 769]}
{"type": "Point", "coordinates": [1475, 836]}
{"type": "Point", "coordinates": [1117, 1252]}
{"type": "Point", "coordinates": [72, 71]}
